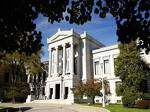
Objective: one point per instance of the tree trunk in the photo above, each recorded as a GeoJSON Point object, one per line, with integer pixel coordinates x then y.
{"type": "Point", "coordinates": [93, 97]}
{"type": "Point", "coordinates": [13, 100]}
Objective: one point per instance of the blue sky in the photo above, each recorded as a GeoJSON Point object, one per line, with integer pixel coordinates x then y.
{"type": "Point", "coordinates": [104, 30]}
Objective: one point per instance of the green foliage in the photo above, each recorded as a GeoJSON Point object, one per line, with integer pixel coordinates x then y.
{"type": "Point", "coordinates": [18, 65]}
{"type": "Point", "coordinates": [18, 30]}
{"type": "Point", "coordinates": [130, 96]}
{"type": "Point", "coordinates": [119, 89]}
{"type": "Point", "coordinates": [18, 90]}
{"type": "Point", "coordinates": [132, 71]}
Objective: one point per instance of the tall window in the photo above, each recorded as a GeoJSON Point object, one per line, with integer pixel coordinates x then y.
{"type": "Point", "coordinates": [96, 64]}
{"type": "Point", "coordinates": [60, 61]}
{"type": "Point", "coordinates": [67, 60]}
{"type": "Point", "coordinates": [106, 67]}
{"type": "Point", "coordinates": [75, 65]}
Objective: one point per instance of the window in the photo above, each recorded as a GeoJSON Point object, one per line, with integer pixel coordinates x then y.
{"type": "Point", "coordinates": [44, 76]}
{"type": "Point", "coordinates": [51, 93]}
{"type": "Point", "coordinates": [106, 67]}
{"type": "Point", "coordinates": [43, 91]}
{"type": "Point", "coordinates": [66, 93]}
{"type": "Point", "coordinates": [96, 64]}
{"type": "Point", "coordinates": [34, 78]}
{"type": "Point", "coordinates": [75, 65]}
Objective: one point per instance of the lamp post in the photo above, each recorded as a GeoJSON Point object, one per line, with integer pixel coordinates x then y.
{"type": "Point", "coordinates": [103, 89]}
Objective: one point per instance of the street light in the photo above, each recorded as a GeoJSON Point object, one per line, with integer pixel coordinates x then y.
{"type": "Point", "coordinates": [103, 89]}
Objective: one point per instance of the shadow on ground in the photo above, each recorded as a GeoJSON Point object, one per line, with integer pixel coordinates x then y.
{"type": "Point", "coordinates": [12, 109]}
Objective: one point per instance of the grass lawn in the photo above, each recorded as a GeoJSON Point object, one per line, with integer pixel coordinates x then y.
{"type": "Point", "coordinates": [120, 108]}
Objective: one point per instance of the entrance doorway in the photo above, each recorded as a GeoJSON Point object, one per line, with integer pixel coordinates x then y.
{"type": "Point", "coordinates": [57, 93]}
{"type": "Point", "coordinates": [66, 93]}
{"type": "Point", "coordinates": [51, 93]}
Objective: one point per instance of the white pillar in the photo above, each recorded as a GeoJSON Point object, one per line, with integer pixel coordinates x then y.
{"type": "Point", "coordinates": [54, 91]}
{"type": "Point", "coordinates": [112, 69]}
{"type": "Point", "coordinates": [50, 62]}
{"type": "Point", "coordinates": [78, 61]}
{"type": "Point", "coordinates": [72, 58]}
{"type": "Point", "coordinates": [64, 59]}
{"type": "Point", "coordinates": [61, 89]}
{"type": "Point", "coordinates": [56, 69]}
{"type": "Point", "coordinates": [28, 80]}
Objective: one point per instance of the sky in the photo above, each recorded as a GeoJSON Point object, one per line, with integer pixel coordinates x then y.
{"type": "Point", "coordinates": [103, 30]}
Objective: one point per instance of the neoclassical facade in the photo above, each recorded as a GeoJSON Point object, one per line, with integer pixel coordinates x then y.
{"type": "Point", "coordinates": [75, 57]}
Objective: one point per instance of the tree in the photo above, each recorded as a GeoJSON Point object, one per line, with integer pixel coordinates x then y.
{"type": "Point", "coordinates": [17, 64]}
{"type": "Point", "coordinates": [131, 16]}
{"type": "Point", "coordinates": [90, 89]}
{"type": "Point", "coordinates": [133, 71]}
{"type": "Point", "coordinates": [18, 28]}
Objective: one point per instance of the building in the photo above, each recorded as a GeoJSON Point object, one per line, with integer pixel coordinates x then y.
{"type": "Point", "coordinates": [37, 84]}
{"type": "Point", "coordinates": [77, 57]}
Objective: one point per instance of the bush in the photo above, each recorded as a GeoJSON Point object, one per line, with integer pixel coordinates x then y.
{"type": "Point", "coordinates": [143, 104]}
{"type": "Point", "coordinates": [130, 97]}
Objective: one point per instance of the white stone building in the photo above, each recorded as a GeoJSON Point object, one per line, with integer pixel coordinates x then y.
{"type": "Point", "coordinates": [74, 57]}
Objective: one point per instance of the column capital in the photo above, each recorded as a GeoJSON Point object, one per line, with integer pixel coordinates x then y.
{"type": "Point", "coordinates": [64, 45]}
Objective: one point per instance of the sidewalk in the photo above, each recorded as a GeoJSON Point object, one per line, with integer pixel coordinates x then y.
{"type": "Point", "coordinates": [82, 108]}
{"type": "Point", "coordinates": [47, 107]}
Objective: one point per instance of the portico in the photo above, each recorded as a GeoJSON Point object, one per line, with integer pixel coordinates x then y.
{"type": "Point", "coordinates": [62, 69]}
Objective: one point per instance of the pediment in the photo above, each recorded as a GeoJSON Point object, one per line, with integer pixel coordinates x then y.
{"type": "Point", "coordinates": [58, 37]}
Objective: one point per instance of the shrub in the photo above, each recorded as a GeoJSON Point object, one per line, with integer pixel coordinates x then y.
{"type": "Point", "coordinates": [130, 97]}
{"type": "Point", "coordinates": [143, 104]}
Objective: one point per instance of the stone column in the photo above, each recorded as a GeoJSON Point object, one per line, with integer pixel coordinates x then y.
{"type": "Point", "coordinates": [72, 59]}
{"type": "Point", "coordinates": [112, 69]}
{"type": "Point", "coordinates": [28, 80]}
{"type": "Point", "coordinates": [54, 91]}
{"type": "Point", "coordinates": [78, 61]}
{"type": "Point", "coordinates": [50, 62]}
{"type": "Point", "coordinates": [64, 59]}
{"type": "Point", "coordinates": [56, 67]}
{"type": "Point", "coordinates": [61, 88]}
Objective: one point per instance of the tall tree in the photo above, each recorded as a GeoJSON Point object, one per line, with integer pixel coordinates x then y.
{"type": "Point", "coordinates": [16, 65]}
{"type": "Point", "coordinates": [133, 71]}
{"type": "Point", "coordinates": [18, 28]}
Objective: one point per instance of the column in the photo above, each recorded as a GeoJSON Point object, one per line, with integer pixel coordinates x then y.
{"type": "Point", "coordinates": [72, 59]}
{"type": "Point", "coordinates": [56, 64]}
{"type": "Point", "coordinates": [112, 69]}
{"type": "Point", "coordinates": [28, 80]}
{"type": "Point", "coordinates": [64, 59]}
{"type": "Point", "coordinates": [62, 88]}
{"type": "Point", "coordinates": [54, 91]}
{"type": "Point", "coordinates": [78, 61]}
{"type": "Point", "coordinates": [50, 62]}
